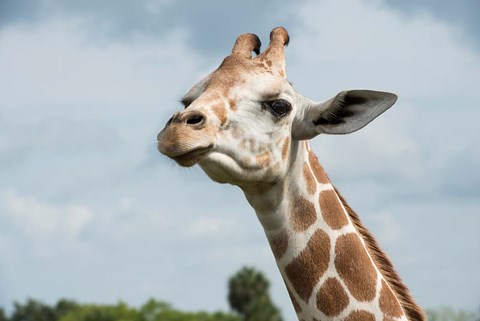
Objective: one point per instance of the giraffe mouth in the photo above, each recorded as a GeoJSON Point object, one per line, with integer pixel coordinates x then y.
{"type": "Point", "coordinates": [192, 157]}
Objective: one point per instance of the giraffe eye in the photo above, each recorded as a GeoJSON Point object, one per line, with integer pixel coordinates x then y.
{"type": "Point", "coordinates": [279, 107]}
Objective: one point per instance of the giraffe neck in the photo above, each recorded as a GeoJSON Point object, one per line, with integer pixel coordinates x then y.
{"type": "Point", "coordinates": [323, 258]}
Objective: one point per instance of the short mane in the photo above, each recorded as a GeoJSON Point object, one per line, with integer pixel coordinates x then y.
{"type": "Point", "coordinates": [411, 309]}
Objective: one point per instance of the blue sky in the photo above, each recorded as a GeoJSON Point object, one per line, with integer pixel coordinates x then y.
{"type": "Point", "coordinates": [90, 210]}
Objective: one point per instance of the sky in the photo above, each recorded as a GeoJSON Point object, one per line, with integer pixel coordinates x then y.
{"type": "Point", "coordinates": [90, 210]}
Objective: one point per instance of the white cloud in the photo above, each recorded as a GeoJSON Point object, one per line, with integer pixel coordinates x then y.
{"type": "Point", "coordinates": [210, 226]}
{"type": "Point", "coordinates": [48, 228]}
{"type": "Point", "coordinates": [54, 67]}
{"type": "Point", "coordinates": [365, 45]}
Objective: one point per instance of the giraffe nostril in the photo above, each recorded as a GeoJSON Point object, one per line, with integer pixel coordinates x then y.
{"type": "Point", "coordinates": [194, 119]}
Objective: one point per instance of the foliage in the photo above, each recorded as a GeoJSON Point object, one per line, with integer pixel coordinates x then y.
{"type": "Point", "coordinates": [92, 312]}
{"type": "Point", "coordinates": [64, 307]}
{"type": "Point", "coordinates": [248, 295]}
{"type": "Point", "coordinates": [33, 310]}
{"type": "Point", "coordinates": [67, 310]}
{"type": "Point", "coordinates": [161, 311]}
{"type": "Point", "coordinates": [448, 314]}
{"type": "Point", "coordinates": [3, 316]}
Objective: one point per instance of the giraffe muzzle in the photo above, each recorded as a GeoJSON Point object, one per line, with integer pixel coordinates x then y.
{"type": "Point", "coordinates": [183, 139]}
{"type": "Point", "coordinates": [193, 119]}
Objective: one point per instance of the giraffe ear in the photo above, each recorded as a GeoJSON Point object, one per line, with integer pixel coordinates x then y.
{"type": "Point", "coordinates": [345, 113]}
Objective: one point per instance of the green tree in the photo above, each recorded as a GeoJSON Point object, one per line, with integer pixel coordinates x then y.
{"type": "Point", "coordinates": [161, 311]}
{"type": "Point", "coordinates": [93, 312]}
{"type": "Point", "coordinates": [248, 295]}
{"type": "Point", "coordinates": [64, 307]}
{"type": "Point", "coordinates": [3, 316]}
{"type": "Point", "coordinates": [33, 310]}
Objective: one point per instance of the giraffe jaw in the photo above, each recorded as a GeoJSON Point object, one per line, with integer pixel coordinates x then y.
{"type": "Point", "coordinates": [191, 157]}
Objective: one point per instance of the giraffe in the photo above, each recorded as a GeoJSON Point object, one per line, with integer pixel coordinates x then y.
{"type": "Point", "coordinates": [245, 125]}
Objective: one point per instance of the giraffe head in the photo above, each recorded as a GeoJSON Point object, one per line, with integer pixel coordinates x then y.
{"type": "Point", "coordinates": [242, 122]}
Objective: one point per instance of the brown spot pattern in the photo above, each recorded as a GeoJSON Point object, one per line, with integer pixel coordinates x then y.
{"type": "Point", "coordinates": [317, 169]}
{"type": "Point", "coordinates": [388, 303]}
{"type": "Point", "coordinates": [308, 267]}
{"type": "Point", "coordinates": [311, 184]}
{"type": "Point", "coordinates": [331, 298]}
{"type": "Point", "coordinates": [233, 104]}
{"type": "Point", "coordinates": [303, 214]}
{"type": "Point", "coordinates": [279, 244]}
{"type": "Point", "coordinates": [263, 159]}
{"type": "Point", "coordinates": [355, 267]}
{"type": "Point", "coordinates": [221, 113]}
{"type": "Point", "coordinates": [286, 144]}
{"type": "Point", "coordinates": [332, 210]}
{"type": "Point", "coordinates": [360, 315]}
{"type": "Point", "coordinates": [296, 306]}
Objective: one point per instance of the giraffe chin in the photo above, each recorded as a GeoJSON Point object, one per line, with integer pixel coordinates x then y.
{"type": "Point", "coordinates": [192, 157]}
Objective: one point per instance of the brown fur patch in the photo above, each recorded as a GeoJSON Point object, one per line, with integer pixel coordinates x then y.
{"type": "Point", "coordinates": [229, 74]}
{"type": "Point", "coordinates": [296, 306]}
{"type": "Point", "coordinates": [401, 292]}
{"type": "Point", "coordinates": [263, 159]}
{"type": "Point", "coordinates": [311, 184]}
{"type": "Point", "coordinates": [332, 210]}
{"type": "Point", "coordinates": [303, 214]}
{"type": "Point", "coordinates": [233, 104]}
{"type": "Point", "coordinates": [355, 267]}
{"type": "Point", "coordinates": [332, 298]}
{"type": "Point", "coordinates": [214, 96]}
{"type": "Point", "coordinates": [221, 113]}
{"type": "Point", "coordinates": [286, 145]}
{"type": "Point", "coordinates": [317, 169]}
{"type": "Point", "coordinates": [388, 303]}
{"type": "Point", "coordinates": [360, 315]}
{"type": "Point", "coordinates": [279, 244]}
{"type": "Point", "coordinates": [308, 267]}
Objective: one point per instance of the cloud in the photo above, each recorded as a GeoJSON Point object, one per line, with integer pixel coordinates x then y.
{"type": "Point", "coordinates": [133, 20]}
{"type": "Point", "coordinates": [46, 227]}
{"type": "Point", "coordinates": [76, 77]}
{"type": "Point", "coordinates": [12, 11]}
{"type": "Point", "coordinates": [433, 64]}
{"type": "Point", "coordinates": [210, 226]}
{"type": "Point", "coordinates": [461, 15]}
{"type": "Point", "coordinates": [20, 139]}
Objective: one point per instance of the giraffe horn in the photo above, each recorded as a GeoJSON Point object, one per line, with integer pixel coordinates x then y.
{"type": "Point", "coordinates": [245, 44]}
{"type": "Point", "coordinates": [275, 51]}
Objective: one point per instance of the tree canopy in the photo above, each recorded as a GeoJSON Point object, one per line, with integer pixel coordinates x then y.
{"type": "Point", "coordinates": [248, 295]}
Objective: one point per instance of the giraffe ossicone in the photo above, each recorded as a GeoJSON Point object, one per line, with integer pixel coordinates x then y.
{"type": "Point", "coordinates": [245, 125]}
